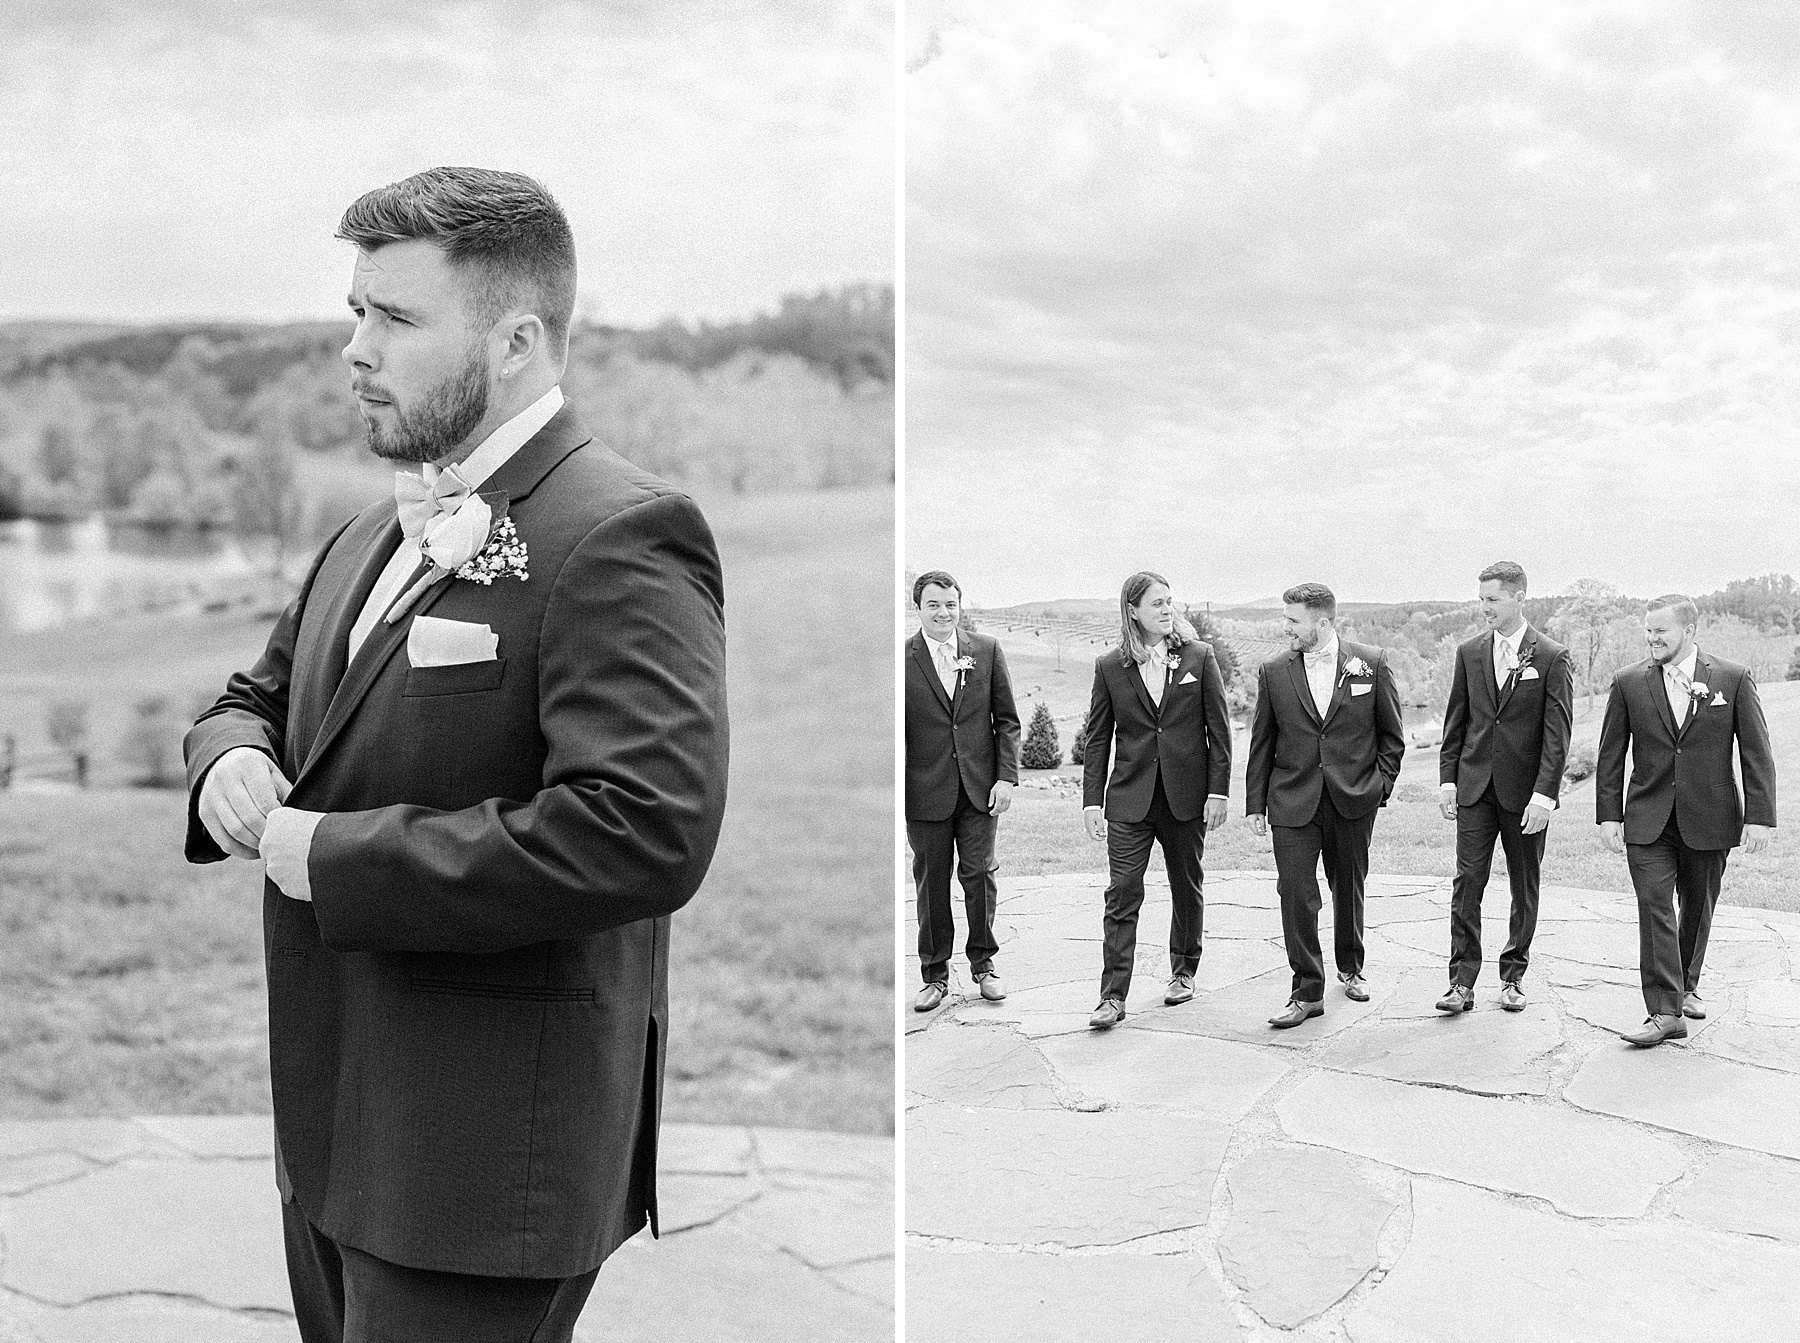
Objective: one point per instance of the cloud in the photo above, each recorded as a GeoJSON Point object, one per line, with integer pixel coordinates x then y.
{"type": "Point", "coordinates": [1354, 292]}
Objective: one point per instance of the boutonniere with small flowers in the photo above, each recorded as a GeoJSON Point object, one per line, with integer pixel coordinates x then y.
{"type": "Point", "coordinates": [1701, 693]}
{"type": "Point", "coordinates": [504, 556]}
{"type": "Point", "coordinates": [964, 665]}
{"type": "Point", "coordinates": [1521, 660]}
{"type": "Point", "coordinates": [1355, 667]}
{"type": "Point", "coordinates": [477, 542]}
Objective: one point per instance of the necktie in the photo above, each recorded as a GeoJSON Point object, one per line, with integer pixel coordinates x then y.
{"type": "Point", "coordinates": [1686, 683]}
{"type": "Point", "coordinates": [422, 497]}
{"type": "Point", "coordinates": [946, 664]}
{"type": "Point", "coordinates": [1508, 660]}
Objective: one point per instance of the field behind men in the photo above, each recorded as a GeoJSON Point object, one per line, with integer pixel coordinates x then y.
{"type": "Point", "coordinates": [132, 983]}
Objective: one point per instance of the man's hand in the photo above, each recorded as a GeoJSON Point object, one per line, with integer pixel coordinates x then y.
{"type": "Point", "coordinates": [1214, 814]}
{"type": "Point", "coordinates": [1096, 822]}
{"type": "Point", "coordinates": [241, 789]}
{"type": "Point", "coordinates": [999, 797]}
{"type": "Point", "coordinates": [1612, 834]}
{"type": "Point", "coordinates": [1756, 838]}
{"type": "Point", "coordinates": [1447, 803]}
{"type": "Point", "coordinates": [1259, 825]}
{"type": "Point", "coordinates": [1536, 818]}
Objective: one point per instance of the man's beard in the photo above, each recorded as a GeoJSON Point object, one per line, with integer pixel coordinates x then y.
{"type": "Point", "coordinates": [446, 416]}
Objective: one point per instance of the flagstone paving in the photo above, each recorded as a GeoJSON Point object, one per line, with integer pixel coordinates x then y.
{"type": "Point", "coordinates": [1381, 1173]}
{"type": "Point", "coordinates": [167, 1230]}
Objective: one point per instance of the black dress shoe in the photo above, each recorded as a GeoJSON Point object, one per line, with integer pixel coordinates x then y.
{"type": "Point", "coordinates": [1457, 998]}
{"type": "Point", "coordinates": [1181, 990]}
{"type": "Point", "coordinates": [1512, 997]}
{"type": "Point", "coordinates": [1296, 1012]}
{"type": "Point", "coordinates": [1356, 988]}
{"type": "Point", "coordinates": [1655, 1030]}
{"type": "Point", "coordinates": [1691, 1006]}
{"type": "Point", "coordinates": [1110, 1013]}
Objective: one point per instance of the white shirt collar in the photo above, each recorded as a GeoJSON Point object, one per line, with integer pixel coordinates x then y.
{"type": "Point", "coordinates": [1326, 649]}
{"type": "Point", "coordinates": [500, 445]}
{"type": "Point", "coordinates": [948, 641]}
{"type": "Point", "coordinates": [1686, 665]}
{"type": "Point", "coordinates": [1514, 639]}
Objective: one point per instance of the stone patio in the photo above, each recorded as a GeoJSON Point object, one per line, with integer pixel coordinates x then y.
{"type": "Point", "coordinates": [1381, 1173]}
{"type": "Point", "coordinates": [167, 1230]}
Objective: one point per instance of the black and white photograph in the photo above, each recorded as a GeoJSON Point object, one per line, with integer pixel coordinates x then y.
{"type": "Point", "coordinates": [447, 504]}
{"type": "Point", "coordinates": [1350, 468]}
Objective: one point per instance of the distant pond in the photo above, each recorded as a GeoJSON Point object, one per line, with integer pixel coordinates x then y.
{"type": "Point", "coordinates": [55, 572]}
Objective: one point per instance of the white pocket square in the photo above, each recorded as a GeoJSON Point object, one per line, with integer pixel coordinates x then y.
{"type": "Point", "coordinates": [432, 642]}
{"type": "Point", "coordinates": [1719, 698]}
{"type": "Point", "coordinates": [1186, 680]}
{"type": "Point", "coordinates": [1361, 689]}
{"type": "Point", "coordinates": [1529, 674]}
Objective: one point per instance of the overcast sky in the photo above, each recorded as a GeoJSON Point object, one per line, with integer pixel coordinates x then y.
{"type": "Point", "coordinates": [1372, 294]}
{"type": "Point", "coordinates": [190, 158]}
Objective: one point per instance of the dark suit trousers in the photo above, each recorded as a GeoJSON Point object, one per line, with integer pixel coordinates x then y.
{"type": "Point", "coordinates": [967, 839]}
{"type": "Point", "coordinates": [1477, 827]}
{"type": "Point", "coordinates": [1128, 856]}
{"type": "Point", "coordinates": [1671, 951]}
{"type": "Point", "coordinates": [342, 1295]}
{"type": "Point", "coordinates": [1344, 845]}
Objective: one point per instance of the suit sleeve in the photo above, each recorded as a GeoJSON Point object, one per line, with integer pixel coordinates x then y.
{"type": "Point", "coordinates": [1609, 765]}
{"type": "Point", "coordinates": [1218, 729]}
{"type": "Point", "coordinates": [631, 703]}
{"type": "Point", "coordinates": [1260, 763]}
{"type": "Point", "coordinates": [1456, 724]}
{"type": "Point", "coordinates": [252, 712]}
{"type": "Point", "coordinates": [1559, 719]}
{"type": "Point", "coordinates": [1755, 758]}
{"type": "Point", "coordinates": [1097, 748]}
{"type": "Point", "coordinates": [1390, 734]}
{"type": "Point", "coordinates": [1006, 721]}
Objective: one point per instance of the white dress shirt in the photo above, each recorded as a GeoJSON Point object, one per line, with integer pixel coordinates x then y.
{"type": "Point", "coordinates": [288, 831]}
{"type": "Point", "coordinates": [1505, 654]}
{"type": "Point", "coordinates": [1321, 673]}
{"type": "Point", "coordinates": [1680, 704]}
{"type": "Point", "coordinates": [943, 657]}
{"type": "Point", "coordinates": [1153, 671]}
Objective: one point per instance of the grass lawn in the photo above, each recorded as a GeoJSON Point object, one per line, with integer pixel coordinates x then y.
{"type": "Point", "coordinates": [132, 982]}
{"type": "Point", "coordinates": [1043, 833]}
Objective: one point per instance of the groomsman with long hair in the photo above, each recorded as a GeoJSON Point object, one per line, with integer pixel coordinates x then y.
{"type": "Point", "coordinates": [962, 760]}
{"type": "Point", "coordinates": [1159, 712]}
{"type": "Point", "coordinates": [1325, 750]}
{"type": "Point", "coordinates": [1506, 736]}
{"type": "Point", "coordinates": [1678, 712]}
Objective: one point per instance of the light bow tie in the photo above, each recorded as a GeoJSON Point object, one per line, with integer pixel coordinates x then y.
{"type": "Point", "coordinates": [1317, 659]}
{"type": "Point", "coordinates": [419, 501]}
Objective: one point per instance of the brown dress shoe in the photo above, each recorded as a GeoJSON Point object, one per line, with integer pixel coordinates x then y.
{"type": "Point", "coordinates": [990, 986]}
{"type": "Point", "coordinates": [1110, 1013]}
{"type": "Point", "coordinates": [1356, 988]}
{"type": "Point", "coordinates": [1457, 998]}
{"type": "Point", "coordinates": [1655, 1030]}
{"type": "Point", "coordinates": [930, 996]}
{"type": "Point", "coordinates": [1512, 997]}
{"type": "Point", "coordinates": [1296, 1012]}
{"type": "Point", "coordinates": [1181, 990]}
{"type": "Point", "coordinates": [1691, 1006]}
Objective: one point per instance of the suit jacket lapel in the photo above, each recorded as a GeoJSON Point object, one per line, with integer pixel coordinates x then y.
{"type": "Point", "coordinates": [1512, 682]}
{"type": "Point", "coordinates": [1302, 690]}
{"type": "Point", "coordinates": [1653, 679]}
{"type": "Point", "coordinates": [1702, 672]}
{"type": "Point", "coordinates": [329, 649]}
{"type": "Point", "coordinates": [1338, 685]}
{"type": "Point", "coordinates": [1483, 672]}
{"type": "Point", "coordinates": [921, 651]}
{"type": "Point", "coordinates": [956, 697]}
{"type": "Point", "coordinates": [1134, 671]}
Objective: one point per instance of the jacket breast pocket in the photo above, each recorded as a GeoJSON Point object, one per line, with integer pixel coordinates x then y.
{"type": "Point", "coordinates": [463, 679]}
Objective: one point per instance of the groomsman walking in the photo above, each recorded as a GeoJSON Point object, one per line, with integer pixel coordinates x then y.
{"type": "Point", "coordinates": [1506, 736]}
{"type": "Point", "coordinates": [1325, 750]}
{"type": "Point", "coordinates": [962, 760]}
{"type": "Point", "coordinates": [1159, 698]}
{"type": "Point", "coordinates": [1679, 712]}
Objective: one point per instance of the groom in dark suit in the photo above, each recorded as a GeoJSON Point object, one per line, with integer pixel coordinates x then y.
{"type": "Point", "coordinates": [1325, 749]}
{"type": "Point", "coordinates": [962, 760]}
{"type": "Point", "coordinates": [483, 758]}
{"type": "Point", "coordinates": [1506, 736]}
{"type": "Point", "coordinates": [1678, 712]}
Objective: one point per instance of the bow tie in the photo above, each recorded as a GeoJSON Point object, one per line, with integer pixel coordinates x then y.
{"type": "Point", "coordinates": [1315, 659]}
{"type": "Point", "coordinates": [419, 500]}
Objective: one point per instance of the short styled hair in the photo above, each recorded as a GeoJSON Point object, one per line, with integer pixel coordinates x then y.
{"type": "Point", "coordinates": [1315, 597]}
{"type": "Point", "coordinates": [1682, 606]}
{"type": "Point", "coordinates": [503, 226]}
{"type": "Point", "coordinates": [1511, 576]}
{"type": "Point", "coordinates": [934, 578]}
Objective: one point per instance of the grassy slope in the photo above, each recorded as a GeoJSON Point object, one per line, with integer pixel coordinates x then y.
{"type": "Point", "coordinates": [131, 982]}
{"type": "Point", "coordinates": [1042, 832]}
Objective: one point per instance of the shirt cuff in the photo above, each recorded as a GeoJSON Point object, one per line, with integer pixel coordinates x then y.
{"type": "Point", "coordinates": [1443, 786]}
{"type": "Point", "coordinates": [1539, 800]}
{"type": "Point", "coordinates": [286, 845]}
{"type": "Point", "coordinates": [1217, 797]}
{"type": "Point", "coordinates": [1095, 807]}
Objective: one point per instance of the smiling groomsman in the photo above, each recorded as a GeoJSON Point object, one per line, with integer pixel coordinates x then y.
{"type": "Point", "coordinates": [962, 760]}
{"type": "Point", "coordinates": [1679, 712]}
{"type": "Point", "coordinates": [1325, 750]}
{"type": "Point", "coordinates": [1506, 736]}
